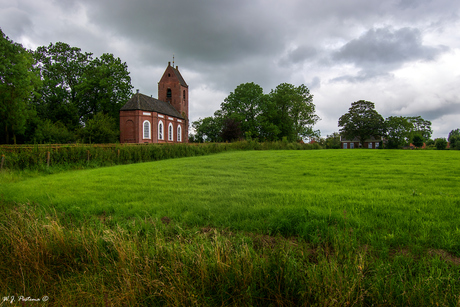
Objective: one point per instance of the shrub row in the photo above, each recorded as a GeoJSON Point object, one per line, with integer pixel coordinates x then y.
{"type": "Point", "coordinates": [83, 156]}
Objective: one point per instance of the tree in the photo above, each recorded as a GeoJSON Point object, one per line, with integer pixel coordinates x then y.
{"type": "Point", "coordinates": [231, 130]}
{"type": "Point", "coordinates": [398, 129]}
{"type": "Point", "coordinates": [294, 111]}
{"type": "Point", "coordinates": [17, 86]}
{"type": "Point", "coordinates": [61, 68]}
{"type": "Point", "coordinates": [421, 127]}
{"type": "Point", "coordinates": [102, 128]}
{"type": "Point", "coordinates": [207, 129]}
{"type": "Point", "coordinates": [76, 86]}
{"type": "Point", "coordinates": [104, 86]}
{"type": "Point", "coordinates": [441, 143]}
{"type": "Point", "coordinates": [362, 122]}
{"type": "Point", "coordinates": [48, 132]}
{"type": "Point", "coordinates": [454, 139]}
{"type": "Point", "coordinates": [244, 106]}
{"type": "Point", "coordinates": [417, 140]}
{"type": "Point", "coordinates": [333, 141]}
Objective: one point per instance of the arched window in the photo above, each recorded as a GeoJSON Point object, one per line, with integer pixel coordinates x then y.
{"type": "Point", "coordinates": [168, 93]}
{"type": "Point", "coordinates": [160, 130]}
{"type": "Point", "coordinates": [179, 133]}
{"type": "Point", "coordinates": [184, 94]}
{"type": "Point", "coordinates": [170, 132]}
{"type": "Point", "coordinates": [146, 129]}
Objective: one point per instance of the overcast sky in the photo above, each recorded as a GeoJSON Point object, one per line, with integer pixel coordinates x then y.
{"type": "Point", "coordinates": [403, 55]}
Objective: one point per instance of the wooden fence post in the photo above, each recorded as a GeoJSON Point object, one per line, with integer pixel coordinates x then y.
{"type": "Point", "coordinates": [48, 159]}
{"type": "Point", "coordinates": [88, 156]}
{"type": "Point", "coordinates": [3, 160]}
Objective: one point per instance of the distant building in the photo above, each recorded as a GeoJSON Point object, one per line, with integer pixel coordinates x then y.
{"type": "Point", "coordinates": [144, 119]}
{"type": "Point", "coordinates": [371, 143]}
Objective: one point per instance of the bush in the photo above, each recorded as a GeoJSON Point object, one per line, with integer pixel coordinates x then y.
{"type": "Point", "coordinates": [417, 140]}
{"type": "Point", "coordinates": [454, 142]}
{"type": "Point", "coordinates": [82, 156]}
{"type": "Point", "coordinates": [441, 143]}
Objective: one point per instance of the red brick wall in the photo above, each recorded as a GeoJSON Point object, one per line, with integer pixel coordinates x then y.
{"type": "Point", "coordinates": [135, 134]}
{"type": "Point", "coordinates": [170, 81]}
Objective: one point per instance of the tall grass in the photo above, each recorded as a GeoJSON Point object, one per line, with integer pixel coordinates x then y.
{"type": "Point", "coordinates": [96, 263]}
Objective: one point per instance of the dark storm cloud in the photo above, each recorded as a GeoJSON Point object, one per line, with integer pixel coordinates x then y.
{"type": "Point", "coordinates": [299, 55]}
{"type": "Point", "coordinates": [379, 51]}
{"type": "Point", "coordinates": [207, 31]}
{"type": "Point", "coordinates": [384, 49]}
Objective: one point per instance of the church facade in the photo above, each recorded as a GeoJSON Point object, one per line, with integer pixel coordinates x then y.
{"type": "Point", "coordinates": [144, 119]}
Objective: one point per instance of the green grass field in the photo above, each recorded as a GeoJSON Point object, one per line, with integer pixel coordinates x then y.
{"type": "Point", "coordinates": [366, 226]}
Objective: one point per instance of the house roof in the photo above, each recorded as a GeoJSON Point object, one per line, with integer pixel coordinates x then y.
{"type": "Point", "coordinates": [147, 103]}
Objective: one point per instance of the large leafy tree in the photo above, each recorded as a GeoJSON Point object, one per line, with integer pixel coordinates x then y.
{"type": "Point", "coordinates": [76, 86]}
{"type": "Point", "coordinates": [17, 86]}
{"type": "Point", "coordinates": [398, 130]}
{"type": "Point", "coordinates": [421, 127]}
{"type": "Point", "coordinates": [61, 68]}
{"type": "Point", "coordinates": [244, 107]}
{"type": "Point", "coordinates": [294, 111]}
{"type": "Point", "coordinates": [104, 87]}
{"type": "Point", "coordinates": [361, 121]}
{"type": "Point", "coordinates": [208, 129]}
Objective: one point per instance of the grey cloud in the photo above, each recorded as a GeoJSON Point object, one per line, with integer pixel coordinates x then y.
{"type": "Point", "coordinates": [16, 20]}
{"type": "Point", "coordinates": [299, 55]}
{"type": "Point", "coordinates": [379, 51]}
{"type": "Point", "coordinates": [211, 31]}
{"type": "Point", "coordinates": [435, 112]}
{"type": "Point", "coordinates": [385, 46]}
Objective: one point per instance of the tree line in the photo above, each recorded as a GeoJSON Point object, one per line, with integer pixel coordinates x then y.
{"type": "Point", "coordinates": [362, 122]}
{"type": "Point", "coordinates": [59, 94]}
{"type": "Point", "coordinates": [287, 112]}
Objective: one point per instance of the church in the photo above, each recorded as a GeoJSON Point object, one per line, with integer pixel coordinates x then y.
{"type": "Point", "coordinates": [144, 119]}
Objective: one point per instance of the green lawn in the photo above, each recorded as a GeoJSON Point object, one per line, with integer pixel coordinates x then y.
{"type": "Point", "coordinates": [242, 228]}
{"type": "Point", "coordinates": [389, 198]}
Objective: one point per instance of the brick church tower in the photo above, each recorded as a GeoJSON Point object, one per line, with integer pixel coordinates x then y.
{"type": "Point", "coordinates": [144, 119]}
{"type": "Point", "coordinates": [173, 89]}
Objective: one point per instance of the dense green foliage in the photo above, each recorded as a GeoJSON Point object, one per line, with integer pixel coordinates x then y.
{"type": "Point", "coordinates": [287, 112]}
{"type": "Point", "coordinates": [398, 131]}
{"type": "Point", "coordinates": [361, 121]}
{"type": "Point", "coordinates": [284, 228]}
{"type": "Point", "coordinates": [454, 139]}
{"type": "Point", "coordinates": [50, 95]}
{"type": "Point", "coordinates": [18, 82]}
{"type": "Point", "coordinates": [440, 143]}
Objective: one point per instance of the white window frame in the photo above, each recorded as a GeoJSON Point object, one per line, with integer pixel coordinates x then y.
{"type": "Point", "coordinates": [146, 136]}
{"type": "Point", "coordinates": [170, 132]}
{"type": "Point", "coordinates": [352, 145]}
{"type": "Point", "coordinates": [369, 146]}
{"type": "Point", "coordinates": [345, 145]}
{"type": "Point", "coordinates": [377, 144]}
{"type": "Point", "coordinates": [160, 130]}
{"type": "Point", "coordinates": [179, 133]}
